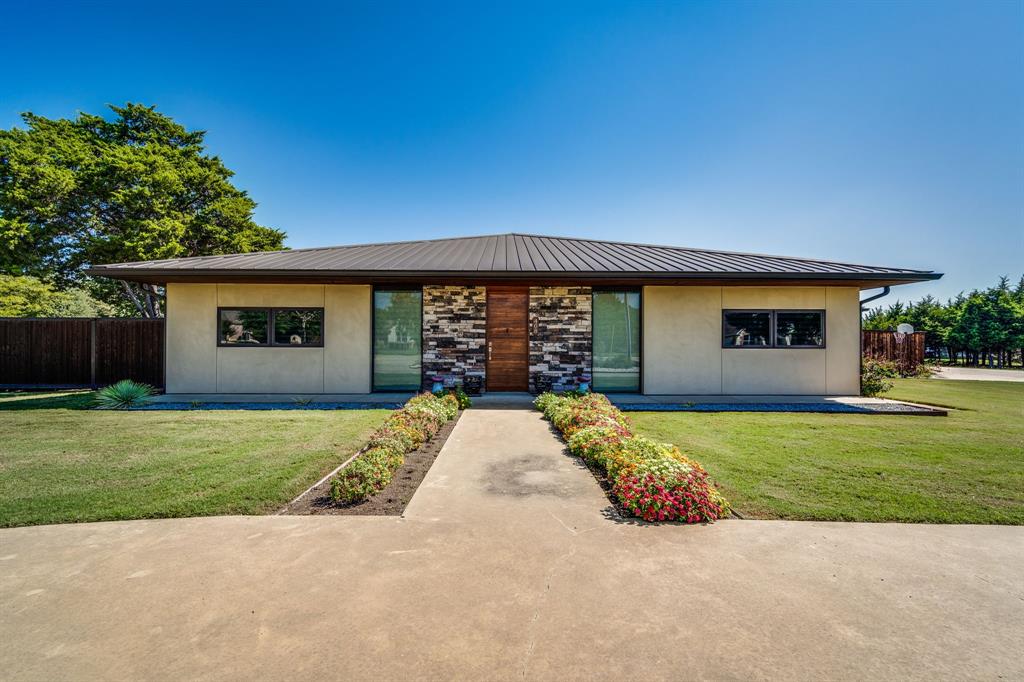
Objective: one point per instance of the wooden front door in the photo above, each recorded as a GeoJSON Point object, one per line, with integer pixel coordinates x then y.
{"type": "Point", "coordinates": [507, 339]}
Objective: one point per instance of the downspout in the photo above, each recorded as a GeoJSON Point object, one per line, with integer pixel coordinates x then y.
{"type": "Point", "coordinates": [860, 323]}
{"type": "Point", "coordinates": [869, 299]}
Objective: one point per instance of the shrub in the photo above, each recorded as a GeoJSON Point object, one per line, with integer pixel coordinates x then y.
{"type": "Point", "coordinates": [550, 403]}
{"type": "Point", "coordinates": [668, 490]}
{"type": "Point", "coordinates": [590, 410]}
{"type": "Point", "coordinates": [367, 474]}
{"type": "Point", "coordinates": [718, 499]}
{"type": "Point", "coordinates": [654, 481]}
{"type": "Point", "coordinates": [463, 399]}
{"type": "Point", "coordinates": [425, 421]}
{"type": "Point", "coordinates": [923, 371]}
{"type": "Point", "coordinates": [545, 400]}
{"type": "Point", "coordinates": [123, 395]}
{"type": "Point", "coordinates": [453, 404]}
{"type": "Point", "coordinates": [635, 452]}
{"type": "Point", "coordinates": [403, 431]}
{"type": "Point", "coordinates": [875, 376]}
{"type": "Point", "coordinates": [557, 404]}
{"type": "Point", "coordinates": [443, 407]}
{"type": "Point", "coordinates": [594, 443]}
{"type": "Point", "coordinates": [396, 435]}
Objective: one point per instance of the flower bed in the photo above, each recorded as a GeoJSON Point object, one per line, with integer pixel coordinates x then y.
{"type": "Point", "coordinates": [404, 431]}
{"type": "Point", "coordinates": [653, 481]}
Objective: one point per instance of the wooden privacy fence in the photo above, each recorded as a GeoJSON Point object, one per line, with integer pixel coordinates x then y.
{"type": "Point", "coordinates": [906, 350]}
{"type": "Point", "coordinates": [72, 352]}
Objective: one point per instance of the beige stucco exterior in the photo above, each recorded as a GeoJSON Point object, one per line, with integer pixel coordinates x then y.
{"type": "Point", "coordinates": [682, 342]}
{"type": "Point", "coordinates": [683, 354]}
{"type": "Point", "coordinates": [195, 364]}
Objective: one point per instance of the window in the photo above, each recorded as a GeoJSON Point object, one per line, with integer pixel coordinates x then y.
{"type": "Point", "coordinates": [397, 336]}
{"type": "Point", "coordinates": [799, 328]}
{"type": "Point", "coordinates": [746, 328]}
{"type": "Point", "coordinates": [299, 327]}
{"type": "Point", "coordinates": [243, 327]}
{"type": "Point", "coordinates": [616, 341]}
{"type": "Point", "coordinates": [251, 327]}
{"type": "Point", "coordinates": [773, 329]}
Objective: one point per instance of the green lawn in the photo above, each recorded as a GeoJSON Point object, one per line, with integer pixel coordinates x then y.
{"type": "Point", "coordinates": [61, 463]}
{"type": "Point", "coordinates": [964, 468]}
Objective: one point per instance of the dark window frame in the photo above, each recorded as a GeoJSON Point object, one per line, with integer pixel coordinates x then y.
{"type": "Point", "coordinates": [271, 313]}
{"type": "Point", "coordinates": [775, 334]}
{"type": "Point", "coordinates": [373, 334]}
{"type": "Point", "coordinates": [772, 330]}
{"type": "Point", "coordinates": [771, 326]}
{"type": "Point", "coordinates": [640, 322]}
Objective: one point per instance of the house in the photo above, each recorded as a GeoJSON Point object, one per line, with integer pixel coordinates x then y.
{"type": "Point", "coordinates": [512, 312]}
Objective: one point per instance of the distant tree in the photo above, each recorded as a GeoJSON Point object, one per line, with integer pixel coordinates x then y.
{"type": "Point", "coordinates": [928, 316]}
{"type": "Point", "coordinates": [884, 319]}
{"type": "Point", "coordinates": [31, 297]}
{"type": "Point", "coordinates": [984, 327]}
{"type": "Point", "coordinates": [136, 187]}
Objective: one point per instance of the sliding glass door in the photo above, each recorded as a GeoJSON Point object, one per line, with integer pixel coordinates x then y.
{"type": "Point", "coordinates": [397, 338]}
{"type": "Point", "coordinates": [616, 319]}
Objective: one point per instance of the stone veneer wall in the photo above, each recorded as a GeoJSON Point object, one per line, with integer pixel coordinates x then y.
{"type": "Point", "coordinates": [454, 332]}
{"type": "Point", "coordinates": [560, 348]}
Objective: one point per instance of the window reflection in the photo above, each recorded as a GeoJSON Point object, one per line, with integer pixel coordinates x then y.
{"type": "Point", "coordinates": [616, 341]}
{"type": "Point", "coordinates": [397, 330]}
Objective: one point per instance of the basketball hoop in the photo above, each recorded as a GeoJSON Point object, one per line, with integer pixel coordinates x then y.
{"type": "Point", "coordinates": [901, 332]}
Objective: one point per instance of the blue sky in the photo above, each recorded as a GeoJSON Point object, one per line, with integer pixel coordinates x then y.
{"type": "Point", "coordinates": [883, 133]}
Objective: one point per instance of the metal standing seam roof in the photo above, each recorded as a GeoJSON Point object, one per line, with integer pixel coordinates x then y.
{"type": "Point", "coordinates": [511, 253]}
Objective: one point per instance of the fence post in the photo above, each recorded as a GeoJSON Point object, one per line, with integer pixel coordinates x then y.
{"type": "Point", "coordinates": [92, 353]}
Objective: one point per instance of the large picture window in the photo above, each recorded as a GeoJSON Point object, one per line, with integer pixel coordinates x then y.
{"type": "Point", "coordinates": [773, 329]}
{"type": "Point", "coordinates": [255, 327]}
{"type": "Point", "coordinates": [616, 341]}
{"type": "Point", "coordinates": [397, 338]}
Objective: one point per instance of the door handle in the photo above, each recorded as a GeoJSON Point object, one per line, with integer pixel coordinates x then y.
{"type": "Point", "coordinates": [490, 349]}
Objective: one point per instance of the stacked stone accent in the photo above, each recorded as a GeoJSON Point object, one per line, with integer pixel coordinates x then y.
{"type": "Point", "coordinates": [454, 331]}
{"type": "Point", "coordinates": [560, 337]}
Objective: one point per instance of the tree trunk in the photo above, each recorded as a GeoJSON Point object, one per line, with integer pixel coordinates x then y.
{"type": "Point", "coordinates": [145, 298]}
{"type": "Point", "coordinates": [133, 298]}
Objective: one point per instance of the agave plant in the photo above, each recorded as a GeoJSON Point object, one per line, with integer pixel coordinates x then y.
{"type": "Point", "coordinates": [123, 395]}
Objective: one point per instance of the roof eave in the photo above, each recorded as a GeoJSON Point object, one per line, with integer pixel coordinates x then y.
{"type": "Point", "coordinates": [164, 275]}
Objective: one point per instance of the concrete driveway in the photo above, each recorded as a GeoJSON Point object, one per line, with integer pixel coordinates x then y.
{"type": "Point", "coordinates": [508, 565]}
{"type": "Point", "coordinates": [979, 374]}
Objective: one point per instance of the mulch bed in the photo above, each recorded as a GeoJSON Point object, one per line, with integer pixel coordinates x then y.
{"type": "Point", "coordinates": [388, 502]}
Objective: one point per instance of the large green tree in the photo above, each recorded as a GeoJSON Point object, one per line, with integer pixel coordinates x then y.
{"type": "Point", "coordinates": [981, 327]}
{"type": "Point", "coordinates": [133, 186]}
{"type": "Point", "coordinates": [28, 296]}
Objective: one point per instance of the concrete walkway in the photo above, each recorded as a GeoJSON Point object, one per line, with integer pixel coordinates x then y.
{"type": "Point", "coordinates": [508, 565]}
{"type": "Point", "coordinates": [979, 374]}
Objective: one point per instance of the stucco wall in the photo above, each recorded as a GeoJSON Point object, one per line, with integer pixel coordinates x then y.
{"type": "Point", "coordinates": [683, 352]}
{"type": "Point", "coordinates": [195, 364]}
